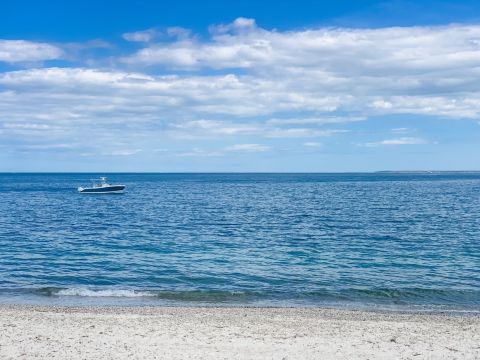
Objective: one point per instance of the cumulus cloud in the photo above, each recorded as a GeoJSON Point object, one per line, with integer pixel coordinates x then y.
{"type": "Point", "coordinates": [15, 51]}
{"type": "Point", "coordinates": [76, 93]}
{"type": "Point", "coordinates": [371, 52]}
{"type": "Point", "coordinates": [246, 82]}
{"type": "Point", "coordinates": [421, 70]}
{"type": "Point", "coordinates": [239, 24]}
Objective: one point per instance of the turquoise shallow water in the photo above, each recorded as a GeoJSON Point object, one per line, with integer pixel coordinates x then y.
{"type": "Point", "coordinates": [397, 241]}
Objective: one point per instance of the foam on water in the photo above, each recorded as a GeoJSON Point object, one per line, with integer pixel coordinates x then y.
{"type": "Point", "coordinates": [384, 296]}
{"type": "Point", "coordinates": [102, 293]}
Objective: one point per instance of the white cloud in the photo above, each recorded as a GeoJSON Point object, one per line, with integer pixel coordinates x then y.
{"type": "Point", "coordinates": [122, 152]}
{"type": "Point", "coordinates": [398, 141]}
{"type": "Point", "coordinates": [312, 144]}
{"type": "Point", "coordinates": [27, 126]}
{"type": "Point", "coordinates": [16, 51]}
{"type": "Point", "coordinates": [248, 148]}
{"type": "Point", "coordinates": [239, 24]}
{"type": "Point", "coordinates": [419, 70]}
{"type": "Point", "coordinates": [198, 152]}
{"type": "Point", "coordinates": [237, 148]}
{"type": "Point", "coordinates": [213, 128]}
{"type": "Point", "coordinates": [242, 82]}
{"type": "Point", "coordinates": [141, 36]}
{"type": "Point", "coordinates": [402, 130]}
{"type": "Point", "coordinates": [315, 121]}
{"type": "Point", "coordinates": [75, 97]}
{"type": "Point", "coordinates": [301, 132]}
{"type": "Point", "coordinates": [331, 51]}
{"type": "Point", "coordinates": [47, 147]}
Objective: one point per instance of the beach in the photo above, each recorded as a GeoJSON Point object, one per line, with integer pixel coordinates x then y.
{"type": "Point", "coordinates": [48, 332]}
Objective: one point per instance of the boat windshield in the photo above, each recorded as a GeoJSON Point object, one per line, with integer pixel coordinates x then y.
{"type": "Point", "coordinates": [99, 182]}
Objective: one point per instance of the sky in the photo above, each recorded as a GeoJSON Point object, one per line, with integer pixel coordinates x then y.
{"type": "Point", "coordinates": [247, 86]}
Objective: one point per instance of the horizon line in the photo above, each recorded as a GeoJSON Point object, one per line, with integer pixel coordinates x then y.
{"type": "Point", "coordinates": [241, 172]}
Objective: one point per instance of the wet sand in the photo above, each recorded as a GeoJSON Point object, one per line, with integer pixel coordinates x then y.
{"type": "Point", "coordinates": [29, 332]}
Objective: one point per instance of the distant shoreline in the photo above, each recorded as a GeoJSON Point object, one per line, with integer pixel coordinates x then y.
{"type": "Point", "coordinates": [428, 172]}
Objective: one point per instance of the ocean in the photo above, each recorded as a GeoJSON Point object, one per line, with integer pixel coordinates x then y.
{"type": "Point", "coordinates": [398, 241]}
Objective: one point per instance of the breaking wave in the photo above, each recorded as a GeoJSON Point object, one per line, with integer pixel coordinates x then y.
{"type": "Point", "coordinates": [321, 297]}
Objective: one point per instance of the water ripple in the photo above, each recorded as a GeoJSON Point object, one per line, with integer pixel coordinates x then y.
{"type": "Point", "coordinates": [381, 238]}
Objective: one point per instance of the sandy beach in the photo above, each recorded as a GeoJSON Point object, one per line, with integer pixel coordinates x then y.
{"type": "Point", "coordinates": [233, 333]}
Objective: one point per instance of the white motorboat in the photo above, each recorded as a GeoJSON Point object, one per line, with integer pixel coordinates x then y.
{"type": "Point", "coordinates": [101, 187]}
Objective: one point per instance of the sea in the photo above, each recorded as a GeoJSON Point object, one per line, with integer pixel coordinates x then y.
{"type": "Point", "coordinates": [388, 241]}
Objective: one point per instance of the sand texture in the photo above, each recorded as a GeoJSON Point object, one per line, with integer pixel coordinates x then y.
{"type": "Point", "coordinates": [232, 333]}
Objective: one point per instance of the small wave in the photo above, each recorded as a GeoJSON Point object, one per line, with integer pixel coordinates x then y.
{"type": "Point", "coordinates": [379, 296]}
{"type": "Point", "coordinates": [85, 292]}
{"type": "Point", "coordinates": [187, 296]}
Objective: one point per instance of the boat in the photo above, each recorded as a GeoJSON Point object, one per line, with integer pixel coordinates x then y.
{"type": "Point", "coordinates": [101, 187]}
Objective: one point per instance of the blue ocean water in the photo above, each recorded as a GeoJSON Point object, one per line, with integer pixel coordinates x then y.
{"type": "Point", "coordinates": [388, 240]}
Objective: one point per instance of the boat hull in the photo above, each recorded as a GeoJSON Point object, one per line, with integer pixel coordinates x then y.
{"type": "Point", "coordinates": [114, 189]}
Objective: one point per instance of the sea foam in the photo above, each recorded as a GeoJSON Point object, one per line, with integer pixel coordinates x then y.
{"type": "Point", "coordinates": [77, 291]}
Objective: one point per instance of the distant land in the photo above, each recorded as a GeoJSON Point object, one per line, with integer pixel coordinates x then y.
{"type": "Point", "coordinates": [428, 172]}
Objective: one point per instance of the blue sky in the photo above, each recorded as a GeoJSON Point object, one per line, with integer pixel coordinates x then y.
{"type": "Point", "coordinates": [247, 86]}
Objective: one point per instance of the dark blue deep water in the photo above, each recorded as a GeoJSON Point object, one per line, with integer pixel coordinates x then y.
{"type": "Point", "coordinates": [384, 240]}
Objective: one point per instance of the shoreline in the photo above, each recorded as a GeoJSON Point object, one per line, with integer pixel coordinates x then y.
{"type": "Point", "coordinates": [94, 332]}
{"type": "Point", "coordinates": [121, 306]}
